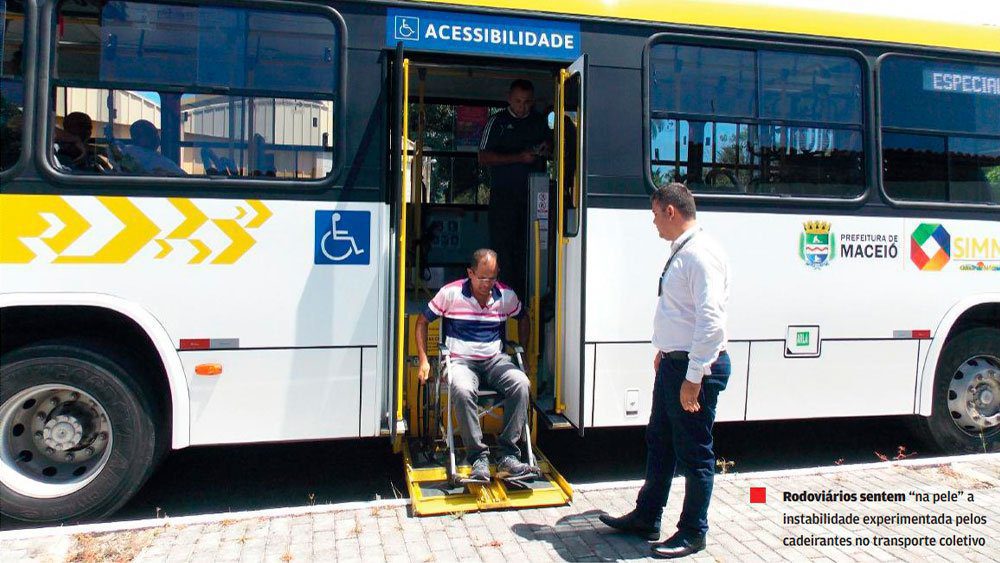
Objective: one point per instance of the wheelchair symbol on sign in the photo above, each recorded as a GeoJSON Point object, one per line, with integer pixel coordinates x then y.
{"type": "Point", "coordinates": [407, 27]}
{"type": "Point", "coordinates": [341, 236]}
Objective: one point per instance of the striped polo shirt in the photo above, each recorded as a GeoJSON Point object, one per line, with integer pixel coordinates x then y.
{"type": "Point", "coordinates": [472, 331]}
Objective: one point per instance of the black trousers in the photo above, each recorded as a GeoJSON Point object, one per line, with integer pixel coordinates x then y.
{"type": "Point", "coordinates": [508, 237]}
{"type": "Point", "coordinates": [681, 440]}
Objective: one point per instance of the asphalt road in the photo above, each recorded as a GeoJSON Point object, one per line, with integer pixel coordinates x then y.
{"type": "Point", "coordinates": [233, 478]}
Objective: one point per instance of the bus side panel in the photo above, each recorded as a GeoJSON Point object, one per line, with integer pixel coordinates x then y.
{"type": "Point", "coordinates": [274, 395]}
{"type": "Point", "coordinates": [623, 386]}
{"type": "Point", "coordinates": [372, 390]}
{"type": "Point", "coordinates": [860, 298]}
{"type": "Point", "coordinates": [624, 260]}
{"type": "Point", "coordinates": [245, 278]}
{"type": "Point", "coordinates": [858, 378]}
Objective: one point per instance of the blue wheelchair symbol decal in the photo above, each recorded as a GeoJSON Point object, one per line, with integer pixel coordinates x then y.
{"type": "Point", "coordinates": [343, 237]}
{"type": "Point", "coordinates": [407, 28]}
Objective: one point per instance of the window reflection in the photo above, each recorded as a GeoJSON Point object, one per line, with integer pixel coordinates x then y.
{"type": "Point", "coordinates": [941, 168]}
{"type": "Point", "coordinates": [940, 130]}
{"type": "Point", "coordinates": [145, 77]}
{"type": "Point", "coordinates": [809, 87]}
{"type": "Point", "coordinates": [803, 138]}
{"type": "Point", "coordinates": [165, 134]}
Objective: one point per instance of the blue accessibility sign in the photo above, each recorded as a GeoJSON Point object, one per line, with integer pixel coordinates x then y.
{"type": "Point", "coordinates": [343, 237]}
{"type": "Point", "coordinates": [455, 32]}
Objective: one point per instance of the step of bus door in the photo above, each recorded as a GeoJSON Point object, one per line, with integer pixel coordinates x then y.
{"type": "Point", "coordinates": [549, 418]}
{"type": "Point", "coordinates": [432, 492]}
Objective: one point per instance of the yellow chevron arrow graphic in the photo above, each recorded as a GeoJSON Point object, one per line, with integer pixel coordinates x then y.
{"type": "Point", "coordinates": [203, 251]}
{"type": "Point", "coordinates": [242, 241]}
{"type": "Point", "coordinates": [136, 233]}
{"type": "Point", "coordinates": [240, 212]}
{"type": "Point", "coordinates": [263, 214]}
{"type": "Point", "coordinates": [165, 248]}
{"type": "Point", "coordinates": [194, 218]}
{"type": "Point", "coordinates": [21, 217]}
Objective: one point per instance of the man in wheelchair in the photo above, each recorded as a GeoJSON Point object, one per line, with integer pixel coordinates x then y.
{"type": "Point", "coordinates": [475, 311]}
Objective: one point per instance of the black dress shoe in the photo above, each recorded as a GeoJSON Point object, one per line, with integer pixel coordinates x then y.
{"type": "Point", "coordinates": [633, 523]}
{"type": "Point", "coordinates": [678, 545]}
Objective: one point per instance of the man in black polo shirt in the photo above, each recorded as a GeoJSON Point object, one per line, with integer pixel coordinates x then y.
{"type": "Point", "coordinates": [516, 142]}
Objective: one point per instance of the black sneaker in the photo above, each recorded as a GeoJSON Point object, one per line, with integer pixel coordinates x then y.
{"type": "Point", "coordinates": [633, 523]}
{"type": "Point", "coordinates": [480, 471]}
{"type": "Point", "coordinates": [514, 469]}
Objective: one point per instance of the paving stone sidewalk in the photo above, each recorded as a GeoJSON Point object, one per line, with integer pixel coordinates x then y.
{"type": "Point", "coordinates": [741, 531]}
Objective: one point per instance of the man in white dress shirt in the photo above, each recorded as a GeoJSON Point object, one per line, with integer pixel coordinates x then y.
{"type": "Point", "coordinates": [692, 368]}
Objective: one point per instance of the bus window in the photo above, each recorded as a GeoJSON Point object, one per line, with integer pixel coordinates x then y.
{"type": "Point", "coordinates": [940, 130]}
{"type": "Point", "coordinates": [451, 132]}
{"type": "Point", "coordinates": [11, 83]}
{"type": "Point", "coordinates": [180, 90]}
{"type": "Point", "coordinates": [756, 121]}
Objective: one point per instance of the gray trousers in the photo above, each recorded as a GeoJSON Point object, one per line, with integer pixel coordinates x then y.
{"type": "Point", "coordinates": [501, 375]}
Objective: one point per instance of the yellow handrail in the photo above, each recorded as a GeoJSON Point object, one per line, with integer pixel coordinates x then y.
{"type": "Point", "coordinates": [405, 188]}
{"type": "Point", "coordinates": [560, 241]}
{"type": "Point", "coordinates": [536, 314]}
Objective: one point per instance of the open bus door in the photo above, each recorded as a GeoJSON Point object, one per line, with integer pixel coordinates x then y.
{"type": "Point", "coordinates": [569, 312]}
{"type": "Point", "coordinates": [434, 464]}
{"type": "Point", "coordinates": [399, 182]}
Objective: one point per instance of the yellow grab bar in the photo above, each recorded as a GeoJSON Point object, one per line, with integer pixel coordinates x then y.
{"type": "Point", "coordinates": [405, 188]}
{"type": "Point", "coordinates": [560, 241]}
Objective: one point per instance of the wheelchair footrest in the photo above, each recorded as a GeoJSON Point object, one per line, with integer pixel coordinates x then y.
{"type": "Point", "coordinates": [470, 480]}
{"type": "Point", "coordinates": [531, 475]}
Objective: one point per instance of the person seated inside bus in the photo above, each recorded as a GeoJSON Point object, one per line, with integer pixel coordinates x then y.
{"type": "Point", "coordinates": [476, 310]}
{"type": "Point", "coordinates": [76, 149]}
{"type": "Point", "coordinates": [263, 161]}
{"type": "Point", "coordinates": [142, 156]}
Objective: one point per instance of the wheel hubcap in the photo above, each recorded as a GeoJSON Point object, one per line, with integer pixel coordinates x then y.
{"type": "Point", "coordinates": [54, 440]}
{"type": "Point", "coordinates": [974, 394]}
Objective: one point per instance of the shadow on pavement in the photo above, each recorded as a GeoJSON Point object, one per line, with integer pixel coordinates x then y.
{"type": "Point", "coordinates": [582, 537]}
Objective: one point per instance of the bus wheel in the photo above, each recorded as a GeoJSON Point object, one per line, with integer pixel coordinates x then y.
{"type": "Point", "coordinates": [966, 410]}
{"type": "Point", "coordinates": [77, 438]}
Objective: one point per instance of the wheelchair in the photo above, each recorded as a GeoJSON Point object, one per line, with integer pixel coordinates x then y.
{"type": "Point", "coordinates": [437, 394]}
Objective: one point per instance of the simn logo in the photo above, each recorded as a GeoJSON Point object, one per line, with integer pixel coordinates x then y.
{"type": "Point", "coordinates": [930, 247]}
{"type": "Point", "coordinates": [343, 237]}
{"type": "Point", "coordinates": [817, 246]}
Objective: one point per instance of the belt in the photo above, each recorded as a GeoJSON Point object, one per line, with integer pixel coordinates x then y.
{"type": "Point", "coordinates": [675, 355]}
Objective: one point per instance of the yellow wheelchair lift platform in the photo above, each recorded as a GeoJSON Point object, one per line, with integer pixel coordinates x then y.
{"type": "Point", "coordinates": [431, 492]}
{"type": "Point", "coordinates": [426, 461]}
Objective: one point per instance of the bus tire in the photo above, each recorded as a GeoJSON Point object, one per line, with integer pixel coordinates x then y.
{"type": "Point", "coordinates": [965, 413]}
{"type": "Point", "coordinates": [78, 434]}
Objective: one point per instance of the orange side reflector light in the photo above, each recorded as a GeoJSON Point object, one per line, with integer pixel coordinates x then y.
{"type": "Point", "coordinates": [208, 369]}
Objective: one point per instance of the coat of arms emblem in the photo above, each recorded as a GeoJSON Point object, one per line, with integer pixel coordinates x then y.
{"type": "Point", "coordinates": [817, 247]}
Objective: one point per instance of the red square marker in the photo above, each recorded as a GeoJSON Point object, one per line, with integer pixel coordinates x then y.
{"type": "Point", "coordinates": [758, 495]}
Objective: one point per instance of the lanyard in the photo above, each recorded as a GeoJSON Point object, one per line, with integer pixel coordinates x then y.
{"type": "Point", "coordinates": [659, 282]}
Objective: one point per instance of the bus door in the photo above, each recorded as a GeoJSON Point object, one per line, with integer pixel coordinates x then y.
{"type": "Point", "coordinates": [399, 191]}
{"type": "Point", "coordinates": [571, 174]}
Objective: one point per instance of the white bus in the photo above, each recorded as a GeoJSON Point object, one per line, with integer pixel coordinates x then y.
{"type": "Point", "coordinates": [216, 216]}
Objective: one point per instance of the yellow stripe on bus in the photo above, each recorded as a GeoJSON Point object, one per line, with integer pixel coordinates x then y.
{"type": "Point", "coordinates": [759, 17]}
{"type": "Point", "coordinates": [26, 217]}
